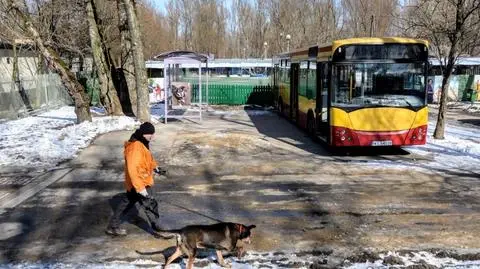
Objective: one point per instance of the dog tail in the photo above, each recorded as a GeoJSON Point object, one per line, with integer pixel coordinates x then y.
{"type": "Point", "coordinates": [168, 234]}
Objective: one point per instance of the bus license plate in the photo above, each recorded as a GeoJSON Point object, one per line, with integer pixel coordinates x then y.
{"type": "Point", "coordinates": [382, 143]}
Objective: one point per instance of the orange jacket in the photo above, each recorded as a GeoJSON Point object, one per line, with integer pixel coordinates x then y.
{"type": "Point", "coordinates": [139, 165]}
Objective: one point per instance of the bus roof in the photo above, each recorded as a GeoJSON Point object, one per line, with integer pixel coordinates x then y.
{"type": "Point", "coordinates": [376, 41]}
{"type": "Point", "coordinates": [297, 52]}
{"type": "Point", "coordinates": [326, 50]}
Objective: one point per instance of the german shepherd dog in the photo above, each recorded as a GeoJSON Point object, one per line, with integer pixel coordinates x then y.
{"type": "Point", "coordinates": [220, 236]}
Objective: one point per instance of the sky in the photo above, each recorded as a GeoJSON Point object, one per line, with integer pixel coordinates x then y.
{"type": "Point", "coordinates": [159, 4]}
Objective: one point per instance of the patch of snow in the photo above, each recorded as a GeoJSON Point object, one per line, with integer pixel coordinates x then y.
{"type": "Point", "coordinates": [250, 112]}
{"type": "Point", "coordinates": [157, 111]}
{"type": "Point", "coordinates": [260, 112]}
{"type": "Point", "coordinates": [98, 111]}
{"type": "Point", "coordinates": [416, 258]}
{"type": "Point", "coordinates": [267, 260]}
{"type": "Point", "coordinates": [52, 137]}
{"type": "Point", "coordinates": [459, 151]}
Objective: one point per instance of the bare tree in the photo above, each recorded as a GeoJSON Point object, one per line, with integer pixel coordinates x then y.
{"type": "Point", "coordinates": [108, 94]}
{"type": "Point", "coordinates": [154, 29]}
{"type": "Point", "coordinates": [143, 113]}
{"type": "Point", "coordinates": [21, 16]}
{"type": "Point", "coordinates": [246, 17]}
{"type": "Point", "coordinates": [453, 28]}
{"type": "Point", "coordinates": [187, 8]}
{"type": "Point", "coordinates": [125, 62]}
{"type": "Point", "coordinates": [65, 30]}
{"type": "Point", "coordinates": [208, 28]}
{"type": "Point", "coordinates": [369, 17]}
{"type": "Point", "coordinates": [308, 22]}
{"type": "Point", "coordinates": [173, 24]}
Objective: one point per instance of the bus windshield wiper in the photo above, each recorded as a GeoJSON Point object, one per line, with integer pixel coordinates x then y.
{"type": "Point", "coordinates": [407, 102]}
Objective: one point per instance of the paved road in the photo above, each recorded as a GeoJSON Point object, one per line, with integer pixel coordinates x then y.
{"type": "Point", "coordinates": [248, 169]}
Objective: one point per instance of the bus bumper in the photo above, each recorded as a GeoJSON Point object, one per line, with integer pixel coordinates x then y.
{"type": "Point", "coordinates": [344, 137]}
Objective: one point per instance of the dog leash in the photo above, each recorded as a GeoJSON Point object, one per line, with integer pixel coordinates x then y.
{"type": "Point", "coordinates": [192, 211]}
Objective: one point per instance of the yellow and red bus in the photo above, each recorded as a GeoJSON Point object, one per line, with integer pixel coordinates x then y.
{"type": "Point", "coordinates": [357, 91]}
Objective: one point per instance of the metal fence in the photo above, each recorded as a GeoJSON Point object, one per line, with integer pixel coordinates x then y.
{"type": "Point", "coordinates": [225, 94]}
{"type": "Point", "coordinates": [19, 99]}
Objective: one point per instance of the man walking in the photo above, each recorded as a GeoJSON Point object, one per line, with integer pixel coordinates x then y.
{"type": "Point", "coordinates": [139, 168]}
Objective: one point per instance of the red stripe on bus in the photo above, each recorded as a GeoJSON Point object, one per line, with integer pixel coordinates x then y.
{"type": "Point", "coordinates": [347, 137]}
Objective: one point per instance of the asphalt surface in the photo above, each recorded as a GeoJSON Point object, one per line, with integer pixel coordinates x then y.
{"type": "Point", "coordinates": [250, 169]}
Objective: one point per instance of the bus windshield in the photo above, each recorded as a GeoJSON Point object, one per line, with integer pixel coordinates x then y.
{"type": "Point", "coordinates": [379, 84]}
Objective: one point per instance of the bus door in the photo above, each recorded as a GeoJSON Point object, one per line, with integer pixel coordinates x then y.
{"type": "Point", "coordinates": [294, 91]}
{"type": "Point", "coordinates": [322, 100]}
{"type": "Point", "coordinates": [276, 92]}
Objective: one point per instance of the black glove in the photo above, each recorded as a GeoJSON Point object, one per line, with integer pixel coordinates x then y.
{"type": "Point", "coordinates": [160, 171]}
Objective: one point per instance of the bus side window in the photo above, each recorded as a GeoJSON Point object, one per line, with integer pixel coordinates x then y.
{"type": "Point", "coordinates": [324, 84]}
{"type": "Point", "coordinates": [324, 90]}
{"type": "Point", "coordinates": [312, 80]}
{"type": "Point", "coordinates": [287, 72]}
{"type": "Point", "coordinates": [302, 89]}
{"type": "Point", "coordinates": [280, 71]}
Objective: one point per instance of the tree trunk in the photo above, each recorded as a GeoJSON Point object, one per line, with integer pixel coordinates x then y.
{"type": "Point", "coordinates": [74, 88]}
{"type": "Point", "coordinates": [143, 113]}
{"type": "Point", "coordinates": [15, 73]}
{"type": "Point", "coordinates": [108, 94]}
{"type": "Point", "coordinates": [442, 111]}
{"type": "Point", "coordinates": [439, 132]}
{"type": "Point", "coordinates": [126, 62]}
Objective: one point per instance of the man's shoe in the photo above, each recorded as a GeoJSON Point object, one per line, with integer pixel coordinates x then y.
{"type": "Point", "coordinates": [157, 228]}
{"type": "Point", "coordinates": [116, 231]}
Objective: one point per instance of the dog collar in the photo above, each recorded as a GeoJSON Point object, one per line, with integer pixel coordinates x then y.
{"type": "Point", "coordinates": [240, 228]}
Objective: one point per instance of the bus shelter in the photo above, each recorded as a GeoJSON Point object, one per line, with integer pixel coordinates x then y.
{"type": "Point", "coordinates": [177, 96]}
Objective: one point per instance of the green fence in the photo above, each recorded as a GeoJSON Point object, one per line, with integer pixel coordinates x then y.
{"type": "Point", "coordinates": [224, 94]}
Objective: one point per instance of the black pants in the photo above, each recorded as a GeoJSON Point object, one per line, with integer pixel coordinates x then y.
{"type": "Point", "coordinates": [148, 205]}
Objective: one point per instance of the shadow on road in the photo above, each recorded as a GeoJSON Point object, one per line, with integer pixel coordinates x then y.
{"type": "Point", "coordinates": [475, 122]}
{"type": "Point", "coordinates": [279, 128]}
{"type": "Point", "coordinates": [135, 215]}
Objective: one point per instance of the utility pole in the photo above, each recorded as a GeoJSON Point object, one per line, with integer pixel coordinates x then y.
{"type": "Point", "coordinates": [265, 44]}
{"type": "Point", "coordinates": [372, 25]}
{"type": "Point", "coordinates": [281, 42]}
{"type": "Point", "coordinates": [288, 37]}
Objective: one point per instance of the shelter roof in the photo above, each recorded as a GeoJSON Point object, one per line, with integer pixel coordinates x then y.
{"type": "Point", "coordinates": [182, 56]}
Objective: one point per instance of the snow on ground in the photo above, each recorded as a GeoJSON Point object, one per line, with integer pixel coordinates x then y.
{"type": "Point", "coordinates": [49, 138]}
{"type": "Point", "coordinates": [158, 110]}
{"type": "Point", "coordinates": [270, 260]}
{"type": "Point", "coordinates": [459, 151]}
{"type": "Point", "coordinates": [415, 258]}
{"type": "Point", "coordinates": [472, 107]}
{"type": "Point", "coordinates": [52, 137]}
{"type": "Point", "coordinates": [46, 139]}
{"type": "Point", "coordinates": [248, 112]}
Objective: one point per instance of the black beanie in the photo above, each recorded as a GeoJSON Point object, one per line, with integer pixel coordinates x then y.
{"type": "Point", "coordinates": [146, 128]}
